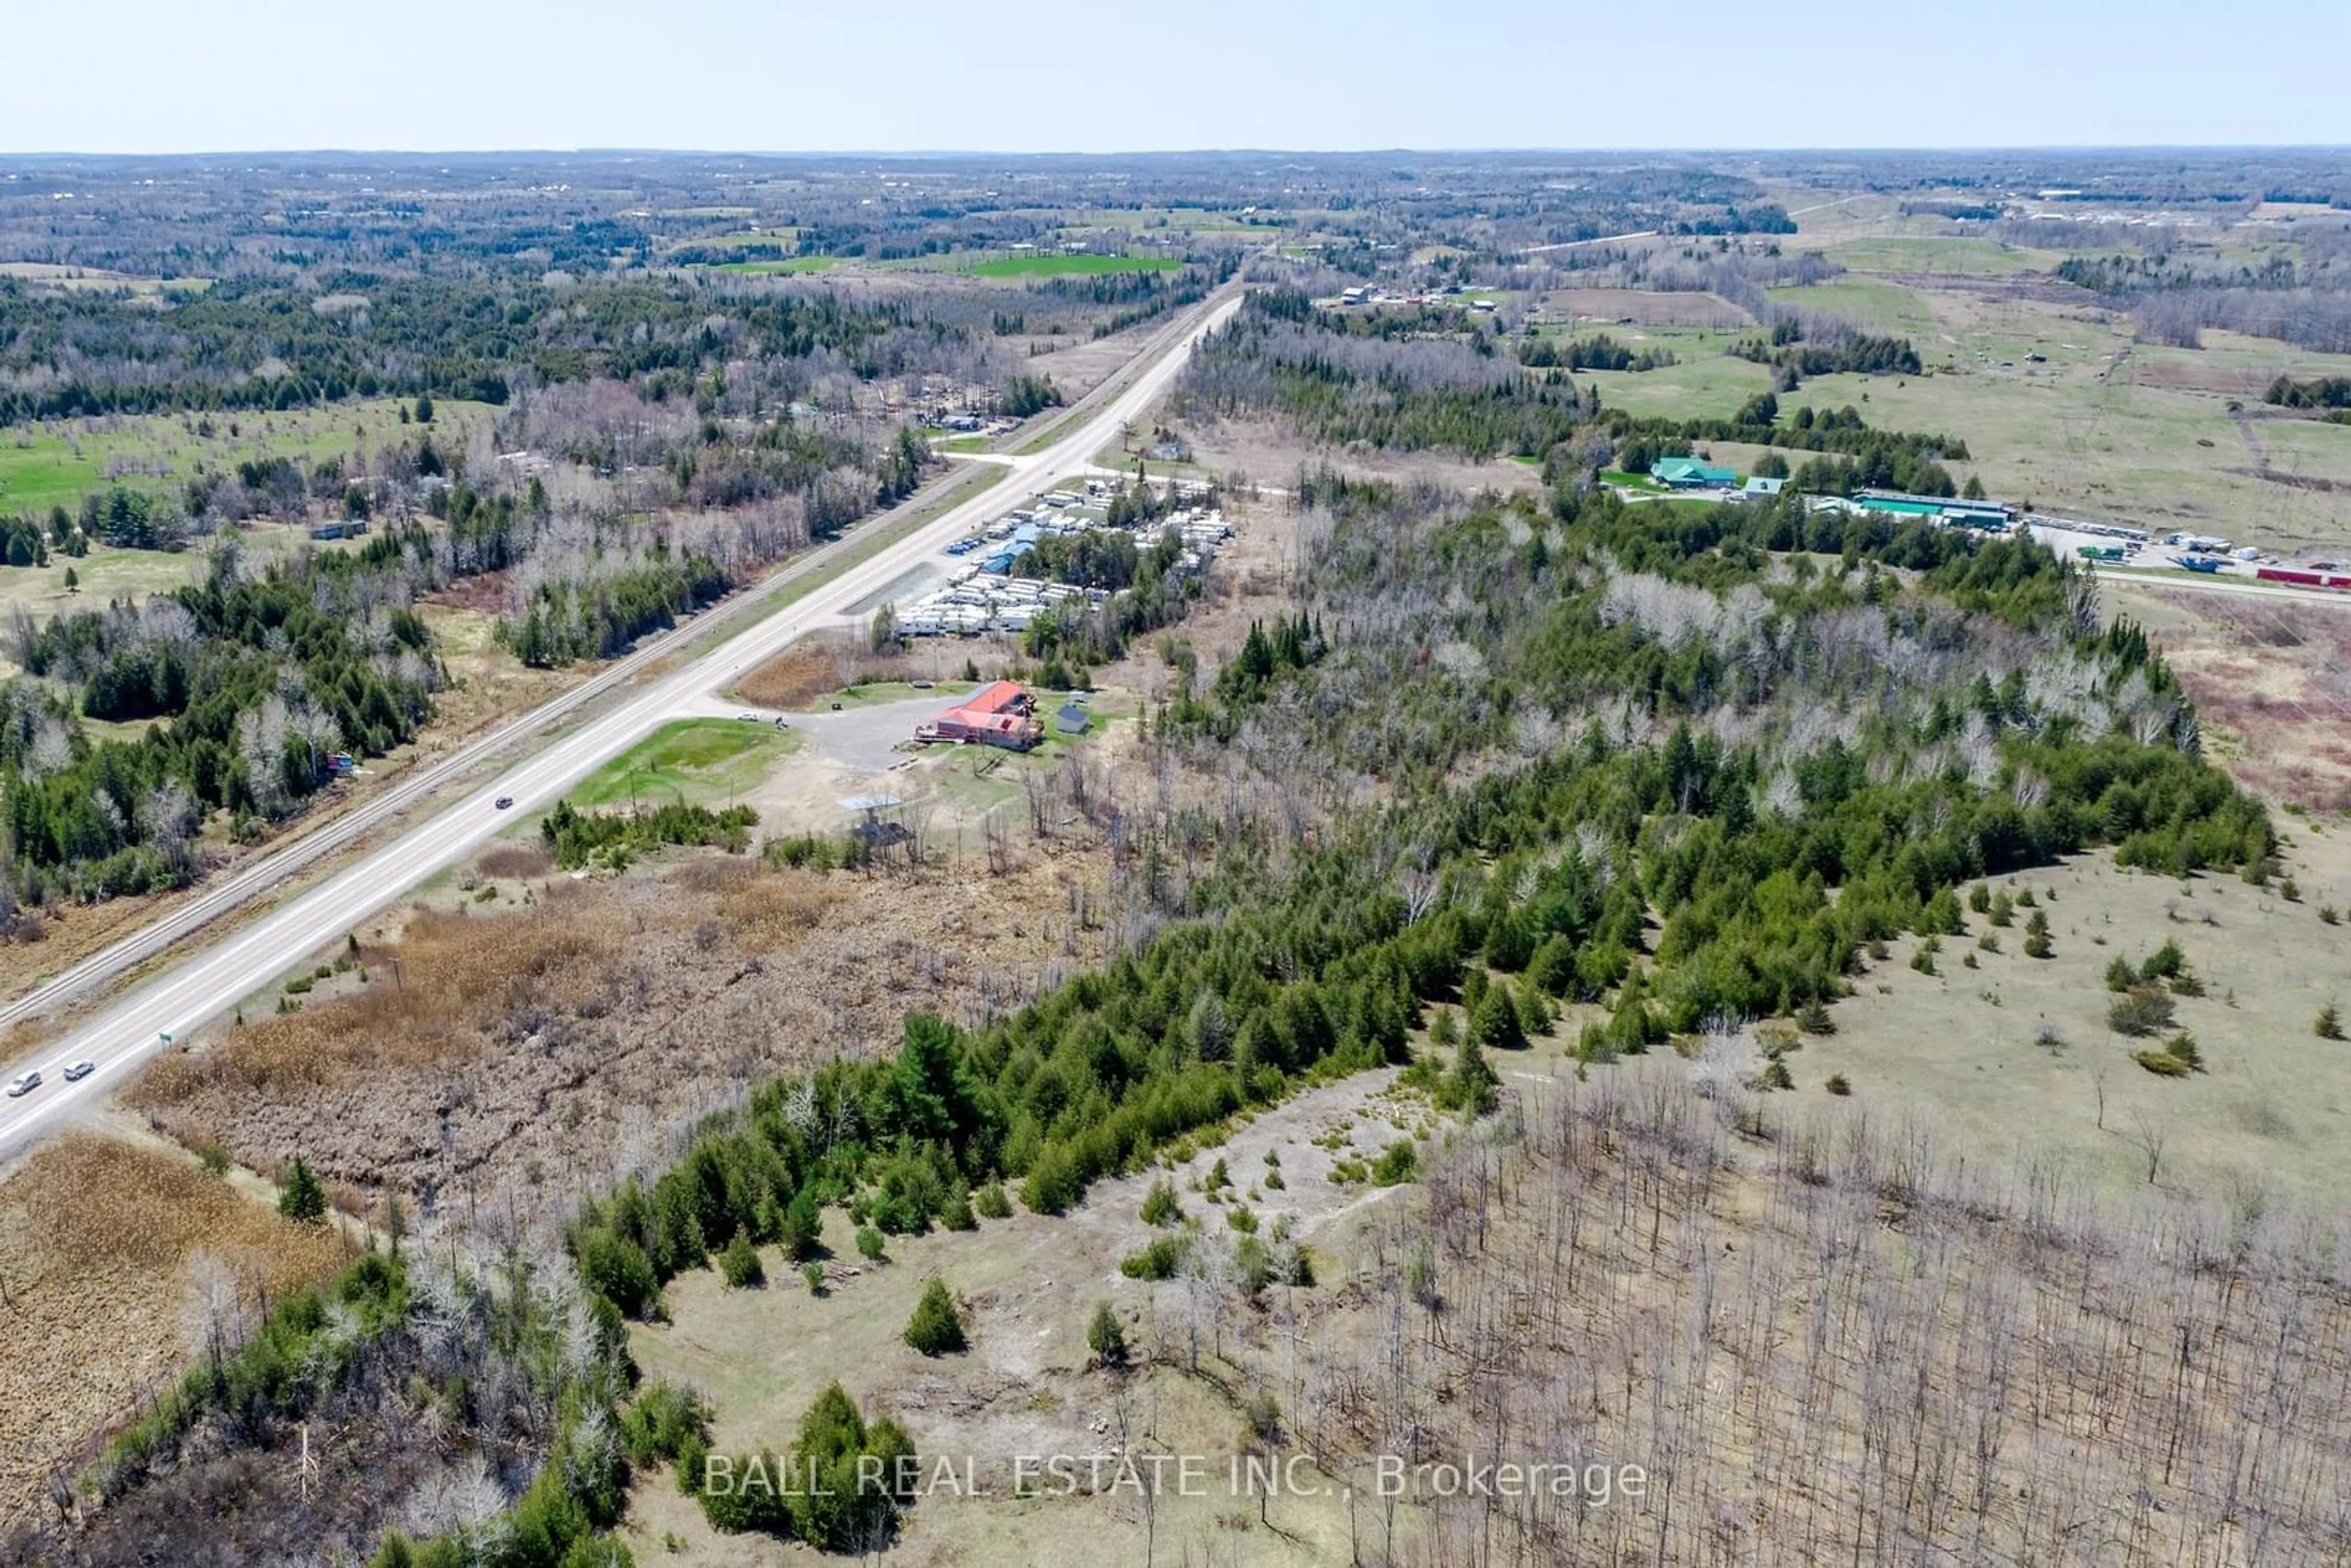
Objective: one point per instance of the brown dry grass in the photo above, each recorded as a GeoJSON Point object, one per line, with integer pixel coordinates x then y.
{"type": "Point", "coordinates": [533, 1050]}
{"type": "Point", "coordinates": [97, 1243]}
{"type": "Point", "coordinates": [2272, 682]}
{"type": "Point", "coordinates": [459, 980]}
{"type": "Point", "coordinates": [516, 863]}
{"type": "Point", "coordinates": [793, 678]}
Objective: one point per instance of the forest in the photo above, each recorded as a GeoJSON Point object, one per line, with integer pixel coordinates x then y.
{"type": "Point", "coordinates": [255, 684]}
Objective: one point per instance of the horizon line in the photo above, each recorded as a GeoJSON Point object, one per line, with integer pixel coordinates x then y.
{"type": "Point", "coordinates": [981, 153]}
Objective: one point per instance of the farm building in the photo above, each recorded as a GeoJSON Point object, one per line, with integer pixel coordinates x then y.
{"type": "Point", "coordinates": [1689, 473]}
{"type": "Point", "coordinates": [999, 714]}
{"type": "Point", "coordinates": [1988, 515]}
{"type": "Point", "coordinates": [1759, 485]}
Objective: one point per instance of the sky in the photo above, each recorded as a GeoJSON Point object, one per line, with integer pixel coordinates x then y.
{"type": "Point", "coordinates": [1106, 76]}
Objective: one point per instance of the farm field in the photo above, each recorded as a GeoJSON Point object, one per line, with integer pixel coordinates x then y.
{"type": "Point", "coordinates": [1073, 265]}
{"type": "Point", "coordinates": [1646, 307]}
{"type": "Point", "coordinates": [791, 266]}
{"type": "Point", "coordinates": [1876, 306]}
{"type": "Point", "coordinates": [58, 462]}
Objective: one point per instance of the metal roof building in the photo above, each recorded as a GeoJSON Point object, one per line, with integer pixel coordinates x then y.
{"type": "Point", "coordinates": [1688, 473]}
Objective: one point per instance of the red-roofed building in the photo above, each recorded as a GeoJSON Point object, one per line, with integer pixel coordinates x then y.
{"type": "Point", "coordinates": [999, 714]}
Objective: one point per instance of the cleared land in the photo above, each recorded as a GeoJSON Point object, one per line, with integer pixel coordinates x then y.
{"type": "Point", "coordinates": [694, 761]}
{"type": "Point", "coordinates": [1646, 307]}
{"type": "Point", "coordinates": [59, 462]}
{"type": "Point", "coordinates": [1073, 265]}
{"type": "Point", "coordinates": [2014, 1060]}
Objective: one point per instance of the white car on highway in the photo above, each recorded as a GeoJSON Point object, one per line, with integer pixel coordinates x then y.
{"type": "Point", "coordinates": [79, 1071]}
{"type": "Point", "coordinates": [24, 1083]}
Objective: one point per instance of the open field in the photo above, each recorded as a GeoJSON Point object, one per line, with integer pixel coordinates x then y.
{"type": "Point", "coordinates": [58, 462]}
{"type": "Point", "coordinates": [1870, 305]}
{"type": "Point", "coordinates": [1073, 265]}
{"type": "Point", "coordinates": [1648, 307]}
{"type": "Point", "coordinates": [2272, 684]}
{"type": "Point", "coordinates": [1955, 255]}
{"type": "Point", "coordinates": [787, 267]}
{"type": "Point", "coordinates": [695, 761]}
{"type": "Point", "coordinates": [54, 275]}
{"type": "Point", "coordinates": [1706, 384]}
{"type": "Point", "coordinates": [2270, 1113]}
{"type": "Point", "coordinates": [108, 1255]}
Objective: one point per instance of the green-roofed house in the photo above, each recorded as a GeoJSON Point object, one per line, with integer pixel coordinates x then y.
{"type": "Point", "coordinates": [1689, 473]}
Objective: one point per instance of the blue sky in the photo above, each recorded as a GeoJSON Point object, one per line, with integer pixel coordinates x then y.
{"type": "Point", "coordinates": [121, 75]}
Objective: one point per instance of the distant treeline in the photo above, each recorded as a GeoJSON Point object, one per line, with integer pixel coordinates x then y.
{"type": "Point", "coordinates": [258, 345]}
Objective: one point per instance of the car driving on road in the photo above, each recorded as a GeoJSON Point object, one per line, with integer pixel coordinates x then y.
{"type": "Point", "coordinates": [79, 1071]}
{"type": "Point", "coordinates": [24, 1083]}
{"type": "Point", "coordinates": [505, 801]}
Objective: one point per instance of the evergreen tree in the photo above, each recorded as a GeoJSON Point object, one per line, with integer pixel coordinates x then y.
{"type": "Point", "coordinates": [936, 1327]}
{"type": "Point", "coordinates": [304, 1197]}
{"type": "Point", "coordinates": [1106, 1336]}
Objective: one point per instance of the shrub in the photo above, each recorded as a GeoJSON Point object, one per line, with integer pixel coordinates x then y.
{"type": "Point", "coordinates": [1157, 1260]}
{"type": "Point", "coordinates": [936, 1327]}
{"type": "Point", "coordinates": [2330, 915]}
{"type": "Point", "coordinates": [2145, 1010]}
{"type": "Point", "coordinates": [2036, 932]}
{"type": "Point", "coordinates": [740, 1263]}
{"type": "Point", "coordinates": [662, 1421]}
{"type": "Point", "coordinates": [2165, 963]}
{"type": "Point", "coordinates": [1777, 1076]}
{"type": "Point", "coordinates": [1106, 1336]}
{"type": "Point", "coordinates": [214, 1159]}
{"type": "Point", "coordinates": [2162, 1063]}
{"type": "Point", "coordinates": [2182, 1048]}
{"type": "Point", "coordinates": [1838, 1086]}
{"type": "Point", "coordinates": [1813, 1017]}
{"type": "Point", "coordinates": [813, 1272]}
{"type": "Point", "coordinates": [2120, 976]}
{"type": "Point", "coordinates": [1397, 1163]}
{"type": "Point", "coordinates": [868, 1244]}
{"type": "Point", "coordinates": [992, 1202]}
{"type": "Point", "coordinates": [1160, 1204]}
{"type": "Point", "coordinates": [2329, 1023]}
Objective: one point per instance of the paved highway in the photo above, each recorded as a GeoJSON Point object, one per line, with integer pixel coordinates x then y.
{"type": "Point", "coordinates": [210, 982]}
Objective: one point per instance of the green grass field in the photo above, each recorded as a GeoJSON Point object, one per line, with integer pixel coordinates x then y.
{"type": "Point", "coordinates": [698, 760]}
{"type": "Point", "coordinates": [793, 265]}
{"type": "Point", "coordinates": [1869, 304]}
{"type": "Point", "coordinates": [106, 574]}
{"type": "Point", "coordinates": [1072, 266]}
{"type": "Point", "coordinates": [60, 461]}
{"type": "Point", "coordinates": [1957, 255]}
